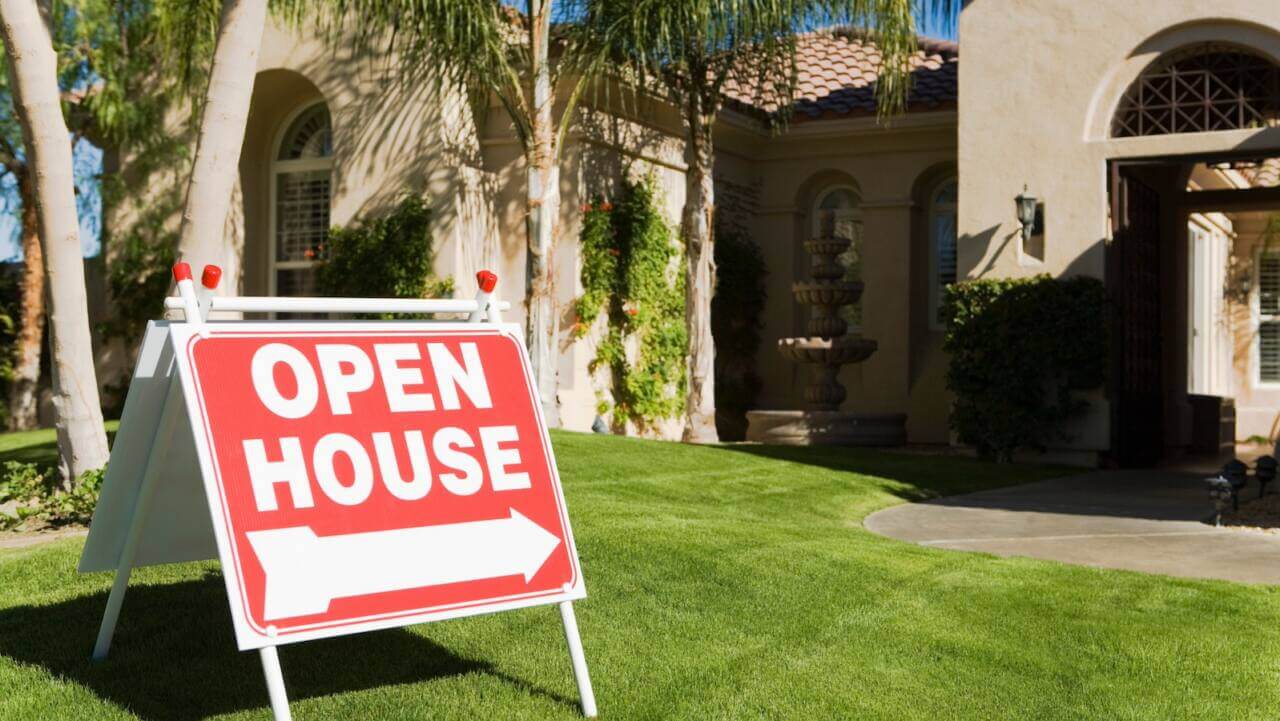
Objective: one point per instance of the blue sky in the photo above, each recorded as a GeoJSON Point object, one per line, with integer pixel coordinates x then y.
{"type": "Point", "coordinates": [88, 165]}
{"type": "Point", "coordinates": [936, 26]}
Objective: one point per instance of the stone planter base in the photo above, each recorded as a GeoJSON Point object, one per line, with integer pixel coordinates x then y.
{"type": "Point", "coordinates": [826, 428]}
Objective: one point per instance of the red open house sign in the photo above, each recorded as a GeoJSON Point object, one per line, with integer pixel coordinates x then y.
{"type": "Point", "coordinates": [350, 476]}
{"type": "Point", "coordinates": [364, 477]}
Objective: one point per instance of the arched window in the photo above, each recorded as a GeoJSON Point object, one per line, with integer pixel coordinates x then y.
{"type": "Point", "coordinates": [942, 246]}
{"type": "Point", "coordinates": [301, 190]}
{"type": "Point", "coordinates": [836, 213]}
{"type": "Point", "coordinates": [1201, 88]}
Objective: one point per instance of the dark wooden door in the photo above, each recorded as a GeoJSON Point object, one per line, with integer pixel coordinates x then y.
{"type": "Point", "coordinates": [1138, 379]}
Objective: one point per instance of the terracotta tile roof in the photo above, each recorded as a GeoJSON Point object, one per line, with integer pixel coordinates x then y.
{"type": "Point", "coordinates": [837, 71]}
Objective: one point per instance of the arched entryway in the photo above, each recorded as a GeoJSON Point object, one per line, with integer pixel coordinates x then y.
{"type": "Point", "coordinates": [1185, 342]}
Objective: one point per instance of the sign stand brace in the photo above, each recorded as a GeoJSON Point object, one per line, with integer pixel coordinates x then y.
{"type": "Point", "coordinates": [195, 310]}
{"type": "Point", "coordinates": [124, 567]}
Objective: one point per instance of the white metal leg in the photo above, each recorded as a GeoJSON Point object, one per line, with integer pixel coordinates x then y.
{"type": "Point", "coordinates": [275, 683]}
{"type": "Point", "coordinates": [124, 566]}
{"type": "Point", "coordinates": [579, 659]}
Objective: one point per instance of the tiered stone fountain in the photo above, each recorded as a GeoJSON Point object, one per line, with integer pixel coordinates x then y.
{"type": "Point", "coordinates": [826, 349]}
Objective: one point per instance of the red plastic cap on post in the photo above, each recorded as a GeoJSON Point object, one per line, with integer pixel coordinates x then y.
{"type": "Point", "coordinates": [181, 271]}
{"type": "Point", "coordinates": [211, 276]}
{"type": "Point", "coordinates": [487, 280]}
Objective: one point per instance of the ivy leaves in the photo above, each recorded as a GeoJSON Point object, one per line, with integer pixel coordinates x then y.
{"type": "Point", "coordinates": [632, 272]}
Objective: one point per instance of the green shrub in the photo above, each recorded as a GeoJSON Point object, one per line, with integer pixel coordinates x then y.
{"type": "Point", "coordinates": [139, 270]}
{"type": "Point", "coordinates": [386, 257]}
{"type": "Point", "coordinates": [36, 495]}
{"type": "Point", "coordinates": [632, 271]}
{"type": "Point", "coordinates": [735, 325]}
{"type": "Point", "coordinates": [10, 313]}
{"type": "Point", "coordinates": [1022, 352]}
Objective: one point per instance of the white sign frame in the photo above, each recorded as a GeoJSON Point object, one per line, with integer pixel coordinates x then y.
{"type": "Point", "coordinates": [248, 635]}
{"type": "Point", "coordinates": [125, 533]}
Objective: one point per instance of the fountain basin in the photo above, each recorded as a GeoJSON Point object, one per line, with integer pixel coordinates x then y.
{"type": "Point", "coordinates": [830, 351]}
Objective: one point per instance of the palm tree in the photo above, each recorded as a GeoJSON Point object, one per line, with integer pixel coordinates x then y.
{"type": "Point", "coordinates": [688, 50]}
{"type": "Point", "coordinates": [33, 79]}
{"type": "Point", "coordinates": [492, 48]}
{"type": "Point", "coordinates": [116, 96]}
{"type": "Point", "coordinates": [224, 114]}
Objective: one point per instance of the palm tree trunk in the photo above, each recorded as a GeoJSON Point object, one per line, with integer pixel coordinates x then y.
{"type": "Point", "coordinates": [26, 373]}
{"type": "Point", "coordinates": [82, 442]}
{"type": "Point", "coordinates": [203, 239]}
{"type": "Point", "coordinates": [543, 206]}
{"type": "Point", "coordinates": [699, 209]}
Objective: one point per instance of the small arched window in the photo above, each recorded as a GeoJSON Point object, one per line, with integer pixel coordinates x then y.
{"type": "Point", "coordinates": [301, 192]}
{"type": "Point", "coordinates": [836, 213]}
{"type": "Point", "coordinates": [1201, 88]}
{"type": "Point", "coordinates": [942, 246]}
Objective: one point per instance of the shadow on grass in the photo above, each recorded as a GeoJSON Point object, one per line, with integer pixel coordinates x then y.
{"type": "Point", "coordinates": [911, 476]}
{"type": "Point", "coordinates": [174, 654]}
{"type": "Point", "coordinates": [1158, 494]}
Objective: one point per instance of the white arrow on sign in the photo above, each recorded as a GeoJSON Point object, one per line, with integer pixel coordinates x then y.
{"type": "Point", "coordinates": [305, 571]}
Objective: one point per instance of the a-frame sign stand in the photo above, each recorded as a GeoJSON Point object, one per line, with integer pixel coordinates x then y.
{"type": "Point", "coordinates": [154, 510]}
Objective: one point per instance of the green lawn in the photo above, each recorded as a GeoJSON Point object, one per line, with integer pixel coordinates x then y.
{"type": "Point", "coordinates": [725, 583]}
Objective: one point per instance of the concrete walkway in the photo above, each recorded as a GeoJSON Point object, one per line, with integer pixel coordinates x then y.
{"type": "Point", "coordinates": [1136, 520]}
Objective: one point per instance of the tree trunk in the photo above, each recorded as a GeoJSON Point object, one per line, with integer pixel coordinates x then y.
{"type": "Point", "coordinates": [217, 163]}
{"type": "Point", "coordinates": [82, 442]}
{"type": "Point", "coordinates": [23, 408]}
{"type": "Point", "coordinates": [699, 209]}
{"type": "Point", "coordinates": [543, 206]}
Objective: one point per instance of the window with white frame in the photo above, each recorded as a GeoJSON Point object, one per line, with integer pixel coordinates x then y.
{"type": "Point", "coordinates": [301, 187]}
{"type": "Point", "coordinates": [942, 246]}
{"type": "Point", "coordinates": [836, 213]}
{"type": "Point", "coordinates": [1268, 313]}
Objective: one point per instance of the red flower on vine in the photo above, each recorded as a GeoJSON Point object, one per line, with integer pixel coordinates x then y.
{"type": "Point", "coordinates": [606, 206]}
{"type": "Point", "coordinates": [585, 207]}
{"type": "Point", "coordinates": [633, 311]}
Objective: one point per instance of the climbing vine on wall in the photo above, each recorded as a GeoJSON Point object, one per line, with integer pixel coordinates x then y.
{"type": "Point", "coordinates": [632, 274]}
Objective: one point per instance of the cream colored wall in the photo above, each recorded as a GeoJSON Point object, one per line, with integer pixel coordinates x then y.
{"type": "Point", "coordinates": [1039, 83]}
{"type": "Point", "coordinates": [391, 135]}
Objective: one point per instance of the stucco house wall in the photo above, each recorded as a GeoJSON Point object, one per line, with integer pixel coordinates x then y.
{"type": "Point", "coordinates": [392, 135]}
{"type": "Point", "coordinates": [1039, 84]}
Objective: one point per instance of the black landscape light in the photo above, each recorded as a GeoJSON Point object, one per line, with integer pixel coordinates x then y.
{"type": "Point", "coordinates": [1237, 474]}
{"type": "Point", "coordinates": [1265, 471]}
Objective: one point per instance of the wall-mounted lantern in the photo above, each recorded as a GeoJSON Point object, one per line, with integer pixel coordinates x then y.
{"type": "Point", "coordinates": [1026, 205]}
